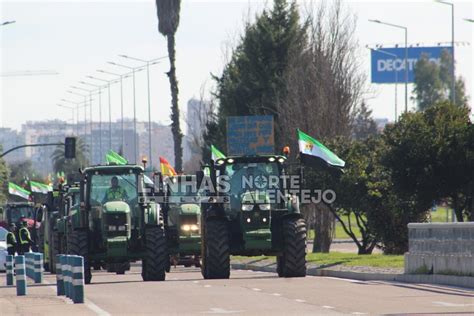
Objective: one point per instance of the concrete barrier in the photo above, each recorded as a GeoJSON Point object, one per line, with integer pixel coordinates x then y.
{"type": "Point", "coordinates": [440, 248]}
{"type": "Point", "coordinates": [9, 269]}
{"type": "Point", "coordinates": [70, 277]}
{"type": "Point", "coordinates": [59, 276]}
{"type": "Point", "coordinates": [20, 275]}
{"type": "Point", "coordinates": [34, 266]}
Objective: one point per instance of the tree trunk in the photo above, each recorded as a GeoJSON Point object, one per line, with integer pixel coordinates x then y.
{"type": "Point", "coordinates": [457, 209]}
{"type": "Point", "coordinates": [175, 124]}
{"type": "Point", "coordinates": [324, 225]}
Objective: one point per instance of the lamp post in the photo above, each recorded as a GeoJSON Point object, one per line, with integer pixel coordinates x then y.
{"type": "Point", "coordinates": [148, 63]}
{"type": "Point", "coordinates": [453, 78]}
{"type": "Point", "coordinates": [99, 88]}
{"type": "Point", "coordinates": [90, 117]}
{"type": "Point", "coordinates": [7, 22]}
{"type": "Point", "coordinates": [469, 20]}
{"type": "Point", "coordinates": [85, 109]}
{"type": "Point", "coordinates": [69, 108]}
{"type": "Point", "coordinates": [396, 77]}
{"type": "Point", "coordinates": [110, 107]}
{"type": "Point", "coordinates": [406, 56]}
{"type": "Point", "coordinates": [134, 108]}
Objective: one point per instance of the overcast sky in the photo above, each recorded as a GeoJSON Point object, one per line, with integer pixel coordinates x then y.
{"type": "Point", "coordinates": [76, 38]}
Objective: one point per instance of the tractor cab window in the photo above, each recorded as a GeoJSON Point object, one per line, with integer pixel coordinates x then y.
{"type": "Point", "coordinates": [260, 177]}
{"type": "Point", "coordinates": [113, 187]}
{"type": "Point", "coordinates": [16, 213]}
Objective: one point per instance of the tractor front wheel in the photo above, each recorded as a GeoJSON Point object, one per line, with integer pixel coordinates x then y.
{"type": "Point", "coordinates": [78, 245]}
{"type": "Point", "coordinates": [216, 264]}
{"type": "Point", "coordinates": [292, 263]}
{"type": "Point", "coordinates": [156, 255]}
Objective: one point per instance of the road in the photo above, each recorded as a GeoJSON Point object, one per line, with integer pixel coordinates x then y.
{"type": "Point", "coordinates": [247, 293]}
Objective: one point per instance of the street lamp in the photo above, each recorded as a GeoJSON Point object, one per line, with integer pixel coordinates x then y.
{"type": "Point", "coordinates": [406, 56]}
{"type": "Point", "coordinates": [469, 20]}
{"type": "Point", "coordinates": [7, 22]}
{"type": "Point", "coordinates": [453, 78]}
{"type": "Point", "coordinates": [99, 88]}
{"type": "Point", "coordinates": [134, 107]}
{"type": "Point", "coordinates": [396, 76]}
{"type": "Point", "coordinates": [85, 109]}
{"type": "Point", "coordinates": [148, 63]}
{"type": "Point", "coordinates": [69, 108]}
{"type": "Point", "coordinates": [110, 107]}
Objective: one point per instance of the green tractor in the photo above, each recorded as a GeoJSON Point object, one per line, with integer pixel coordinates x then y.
{"type": "Point", "coordinates": [245, 217]}
{"type": "Point", "coordinates": [117, 222]}
{"type": "Point", "coordinates": [182, 217]}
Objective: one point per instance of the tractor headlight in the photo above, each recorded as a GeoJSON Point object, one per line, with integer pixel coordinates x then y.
{"type": "Point", "coordinates": [194, 227]}
{"type": "Point", "coordinates": [186, 228]}
{"type": "Point", "coordinates": [264, 207]}
{"type": "Point", "coordinates": [122, 228]}
{"type": "Point", "coordinates": [247, 207]}
{"type": "Point", "coordinates": [112, 228]}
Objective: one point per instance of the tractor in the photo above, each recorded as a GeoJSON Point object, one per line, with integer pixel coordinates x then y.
{"type": "Point", "coordinates": [182, 218]}
{"type": "Point", "coordinates": [245, 218]}
{"type": "Point", "coordinates": [117, 222]}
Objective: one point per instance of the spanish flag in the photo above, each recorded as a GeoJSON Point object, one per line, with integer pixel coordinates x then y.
{"type": "Point", "coordinates": [166, 168]}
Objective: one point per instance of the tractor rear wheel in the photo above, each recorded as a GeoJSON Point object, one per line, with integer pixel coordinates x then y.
{"type": "Point", "coordinates": [156, 255]}
{"type": "Point", "coordinates": [79, 245]}
{"type": "Point", "coordinates": [216, 264]}
{"type": "Point", "coordinates": [292, 263]}
{"type": "Point", "coordinates": [53, 251]}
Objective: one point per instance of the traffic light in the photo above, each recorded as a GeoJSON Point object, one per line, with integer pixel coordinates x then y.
{"type": "Point", "coordinates": [70, 148]}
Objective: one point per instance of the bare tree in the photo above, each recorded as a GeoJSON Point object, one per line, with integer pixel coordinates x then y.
{"type": "Point", "coordinates": [324, 85]}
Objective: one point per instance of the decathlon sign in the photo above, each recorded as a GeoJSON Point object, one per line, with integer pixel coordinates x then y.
{"type": "Point", "coordinates": [389, 69]}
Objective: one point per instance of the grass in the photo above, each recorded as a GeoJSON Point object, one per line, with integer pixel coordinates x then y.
{"type": "Point", "coordinates": [339, 258]}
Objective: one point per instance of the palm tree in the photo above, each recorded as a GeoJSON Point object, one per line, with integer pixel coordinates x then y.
{"type": "Point", "coordinates": [168, 21]}
{"type": "Point", "coordinates": [60, 163]}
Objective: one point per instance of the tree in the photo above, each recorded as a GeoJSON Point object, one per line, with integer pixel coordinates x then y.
{"type": "Point", "coordinates": [168, 20]}
{"type": "Point", "coordinates": [364, 125]}
{"type": "Point", "coordinates": [61, 164]}
{"type": "Point", "coordinates": [21, 172]}
{"type": "Point", "coordinates": [433, 83]}
{"type": "Point", "coordinates": [253, 80]}
{"type": "Point", "coordinates": [3, 180]}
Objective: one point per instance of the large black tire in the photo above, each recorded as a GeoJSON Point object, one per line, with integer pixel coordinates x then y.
{"type": "Point", "coordinates": [156, 255]}
{"type": "Point", "coordinates": [216, 256]}
{"type": "Point", "coordinates": [292, 263]}
{"type": "Point", "coordinates": [53, 251]}
{"type": "Point", "coordinates": [78, 245]}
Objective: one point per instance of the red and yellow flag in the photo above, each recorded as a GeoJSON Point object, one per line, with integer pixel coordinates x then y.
{"type": "Point", "coordinates": [166, 168]}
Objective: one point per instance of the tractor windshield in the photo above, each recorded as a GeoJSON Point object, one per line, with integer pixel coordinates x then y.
{"type": "Point", "coordinates": [252, 182]}
{"type": "Point", "coordinates": [14, 214]}
{"type": "Point", "coordinates": [113, 187]}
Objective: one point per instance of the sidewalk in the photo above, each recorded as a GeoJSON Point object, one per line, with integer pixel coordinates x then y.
{"type": "Point", "coordinates": [363, 273]}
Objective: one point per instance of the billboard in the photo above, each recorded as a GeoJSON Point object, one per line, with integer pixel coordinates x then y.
{"type": "Point", "coordinates": [388, 69]}
{"type": "Point", "coordinates": [250, 135]}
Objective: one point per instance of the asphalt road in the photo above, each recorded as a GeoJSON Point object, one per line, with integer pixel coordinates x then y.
{"type": "Point", "coordinates": [247, 293]}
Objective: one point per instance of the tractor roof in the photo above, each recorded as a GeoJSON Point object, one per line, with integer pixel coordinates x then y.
{"type": "Point", "coordinates": [252, 159]}
{"type": "Point", "coordinates": [113, 169]}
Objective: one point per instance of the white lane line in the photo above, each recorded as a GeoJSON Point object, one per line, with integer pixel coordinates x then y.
{"type": "Point", "coordinates": [196, 282]}
{"type": "Point", "coordinates": [346, 280]}
{"type": "Point", "coordinates": [300, 300]}
{"type": "Point", "coordinates": [276, 294]}
{"type": "Point", "coordinates": [96, 309]}
{"type": "Point", "coordinates": [207, 285]}
{"type": "Point", "coordinates": [256, 289]}
{"type": "Point", "coordinates": [328, 307]}
{"type": "Point", "coordinates": [358, 313]}
{"type": "Point", "coordinates": [447, 304]}
{"type": "Point", "coordinates": [218, 310]}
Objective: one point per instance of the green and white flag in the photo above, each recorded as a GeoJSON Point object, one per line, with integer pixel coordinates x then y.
{"type": "Point", "coordinates": [311, 148]}
{"type": "Point", "coordinates": [38, 187]}
{"type": "Point", "coordinates": [113, 158]}
{"type": "Point", "coordinates": [18, 191]}
{"type": "Point", "coordinates": [216, 153]}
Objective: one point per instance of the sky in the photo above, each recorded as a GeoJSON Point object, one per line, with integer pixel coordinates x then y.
{"type": "Point", "coordinates": [76, 38]}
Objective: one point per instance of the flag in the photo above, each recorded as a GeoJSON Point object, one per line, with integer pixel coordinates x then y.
{"type": "Point", "coordinates": [311, 149]}
{"type": "Point", "coordinates": [38, 187]}
{"type": "Point", "coordinates": [216, 153]}
{"type": "Point", "coordinates": [113, 158]}
{"type": "Point", "coordinates": [166, 168]}
{"type": "Point", "coordinates": [17, 190]}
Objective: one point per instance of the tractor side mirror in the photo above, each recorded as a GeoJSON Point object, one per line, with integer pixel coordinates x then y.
{"type": "Point", "coordinates": [39, 215]}
{"type": "Point", "coordinates": [199, 178]}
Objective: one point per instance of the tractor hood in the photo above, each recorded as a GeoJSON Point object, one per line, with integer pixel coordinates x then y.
{"type": "Point", "coordinates": [116, 207]}
{"type": "Point", "coordinates": [190, 209]}
{"type": "Point", "coordinates": [255, 197]}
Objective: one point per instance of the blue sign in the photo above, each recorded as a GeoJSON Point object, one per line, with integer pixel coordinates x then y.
{"type": "Point", "coordinates": [250, 135]}
{"type": "Point", "coordinates": [390, 69]}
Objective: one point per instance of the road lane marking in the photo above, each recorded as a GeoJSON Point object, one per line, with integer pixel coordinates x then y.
{"type": "Point", "coordinates": [256, 289]}
{"type": "Point", "coordinates": [328, 307]}
{"type": "Point", "coordinates": [276, 294]}
{"type": "Point", "coordinates": [447, 304]}
{"type": "Point", "coordinates": [207, 285]}
{"type": "Point", "coordinates": [96, 309]}
{"type": "Point", "coordinates": [196, 282]}
{"type": "Point", "coordinates": [300, 300]}
{"type": "Point", "coordinates": [358, 313]}
{"type": "Point", "coordinates": [218, 310]}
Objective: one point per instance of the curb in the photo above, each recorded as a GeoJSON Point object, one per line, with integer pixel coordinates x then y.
{"type": "Point", "coordinates": [452, 280]}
